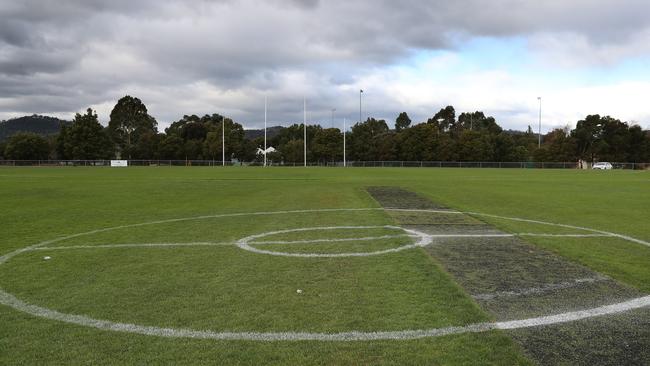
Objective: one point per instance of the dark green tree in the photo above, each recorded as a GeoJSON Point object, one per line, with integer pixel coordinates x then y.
{"type": "Point", "coordinates": [639, 151]}
{"type": "Point", "coordinates": [587, 134]}
{"type": "Point", "coordinates": [364, 139]}
{"type": "Point", "coordinates": [402, 122]}
{"type": "Point", "coordinates": [419, 143]}
{"type": "Point", "coordinates": [475, 146]}
{"type": "Point", "coordinates": [327, 145]}
{"type": "Point", "coordinates": [27, 146]}
{"type": "Point", "coordinates": [292, 151]}
{"type": "Point", "coordinates": [445, 119]}
{"type": "Point", "coordinates": [558, 146]}
{"type": "Point", "coordinates": [129, 120]}
{"type": "Point", "coordinates": [477, 121]}
{"type": "Point", "coordinates": [84, 138]}
{"type": "Point", "coordinates": [172, 147]}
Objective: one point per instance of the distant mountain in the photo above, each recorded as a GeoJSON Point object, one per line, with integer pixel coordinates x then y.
{"type": "Point", "coordinates": [42, 125]}
{"type": "Point", "coordinates": [270, 132]}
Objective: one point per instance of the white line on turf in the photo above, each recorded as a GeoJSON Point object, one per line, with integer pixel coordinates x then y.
{"type": "Point", "coordinates": [423, 210]}
{"type": "Point", "coordinates": [211, 244]}
{"type": "Point", "coordinates": [135, 245]}
{"type": "Point", "coordinates": [606, 233]}
{"type": "Point", "coordinates": [245, 243]}
{"type": "Point", "coordinates": [12, 301]}
{"type": "Point", "coordinates": [335, 240]}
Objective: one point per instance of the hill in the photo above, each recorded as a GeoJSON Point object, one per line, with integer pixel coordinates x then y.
{"type": "Point", "coordinates": [42, 125]}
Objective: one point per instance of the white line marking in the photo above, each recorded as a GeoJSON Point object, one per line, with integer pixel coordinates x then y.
{"type": "Point", "coordinates": [472, 235]}
{"type": "Point", "coordinates": [162, 245]}
{"type": "Point", "coordinates": [140, 245]}
{"type": "Point", "coordinates": [606, 233]}
{"type": "Point", "coordinates": [246, 242]}
{"type": "Point", "coordinates": [541, 289]}
{"type": "Point", "coordinates": [8, 256]}
{"type": "Point", "coordinates": [423, 210]}
{"type": "Point", "coordinates": [576, 315]}
{"type": "Point", "coordinates": [12, 301]}
{"type": "Point", "coordinates": [335, 240]}
{"type": "Point", "coordinates": [565, 235]}
{"type": "Point", "coordinates": [15, 303]}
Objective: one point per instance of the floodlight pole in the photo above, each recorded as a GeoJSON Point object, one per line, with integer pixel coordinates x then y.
{"type": "Point", "coordinates": [539, 130]}
{"type": "Point", "coordinates": [223, 141]}
{"type": "Point", "coordinates": [265, 102]}
{"type": "Point", "coordinates": [304, 125]}
{"type": "Point", "coordinates": [344, 164]}
{"type": "Point", "coordinates": [332, 120]}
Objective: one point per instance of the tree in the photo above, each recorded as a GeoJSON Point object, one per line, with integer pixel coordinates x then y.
{"type": "Point", "coordinates": [364, 140]}
{"type": "Point", "coordinates": [212, 146]}
{"type": "Point", "coordinates": [172, 148]}
{"type": "Point", "coordinates": [445, 119]}
{"type": "Point", "coordinates": [27, 146]}
{"type": "Point", "coordinates": [286, 142]}
{"type": "Point", "coordinates": [504, 148]}
{"type": "Point", "coordinates": [128, 121]}
{"type": "Point", "coordinates": [418, 143]}
{"type": "Point", "coordinates": [558, 146]}
{"type": "Point", "coordinates": [587, 134]}
{"type": "Point", "coordinates": [477, 121]}
{"type": "Point", "coordinates": [202, 136]}
{"type": "Point", "coordinates": [474, 146]}
{"type": "Point", "coordinates": [402, 122]}
{"type": "Point", "coordinates": [148, 146]}
{"type": "Point", "coordinates": [292, 151]}
{"type": "Point", "coordinates": [327, 145]}
{"type": "Point", "coordinates": [85, 138]}
{"type": "Point", "coordinates": [639, 150]}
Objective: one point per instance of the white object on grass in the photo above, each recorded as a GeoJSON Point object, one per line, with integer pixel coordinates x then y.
{"type": "Point", "coordinates": [47, 257]}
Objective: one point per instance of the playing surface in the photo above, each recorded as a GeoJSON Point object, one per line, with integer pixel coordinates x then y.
{"type": "Point", "coordinates": [323, 266]}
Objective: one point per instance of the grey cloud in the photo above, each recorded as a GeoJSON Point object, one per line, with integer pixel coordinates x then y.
{"type": "Point", "coordinates": [246, 47]}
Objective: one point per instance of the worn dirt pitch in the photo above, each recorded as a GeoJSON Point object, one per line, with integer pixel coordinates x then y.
{"type": "Point", "coordinates": [512, 279]}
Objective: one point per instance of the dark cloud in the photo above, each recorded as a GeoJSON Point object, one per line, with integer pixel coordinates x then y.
{"type": "Point", "coordinates": [68, 54]}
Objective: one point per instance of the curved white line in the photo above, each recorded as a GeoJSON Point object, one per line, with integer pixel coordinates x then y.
{"type": "Point", "coordinates": [606, 233]}
{"type": "Point", "coordinates": [138, 245]}
{"type": "Point", "coordinates": [334, 240]}
{"type": "Point", "coordinates": [245, 243]}
{"type": "Point", "coordinates": [15, 303]}
{"type": "Point", "coordinates": [12, 301]}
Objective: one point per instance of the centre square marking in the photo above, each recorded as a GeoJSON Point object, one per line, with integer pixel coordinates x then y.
{"type": "Point", "coordinates": [247, 243]}
{"type": "Point", "coordinates": [424, 239]}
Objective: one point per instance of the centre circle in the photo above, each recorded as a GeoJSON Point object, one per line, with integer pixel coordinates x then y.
{"type": "Point", "coordinates": [421, 239]}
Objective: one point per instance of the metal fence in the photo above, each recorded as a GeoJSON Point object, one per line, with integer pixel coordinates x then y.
{"type": "Point", "coordinates": [356, 164]}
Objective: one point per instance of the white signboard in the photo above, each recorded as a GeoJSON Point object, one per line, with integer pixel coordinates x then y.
{"type": "Point", "coordinates": [119, 163]}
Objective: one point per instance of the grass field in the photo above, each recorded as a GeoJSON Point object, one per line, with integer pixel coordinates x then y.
{"type": "Point", "coordinates": [154, 275]}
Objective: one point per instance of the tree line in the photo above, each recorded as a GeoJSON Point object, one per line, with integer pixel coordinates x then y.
{"type": "Point", "coordinates": [471, 136]}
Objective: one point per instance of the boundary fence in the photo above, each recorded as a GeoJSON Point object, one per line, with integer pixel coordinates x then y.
{"type": "Point", "coordinates": [356, 164]}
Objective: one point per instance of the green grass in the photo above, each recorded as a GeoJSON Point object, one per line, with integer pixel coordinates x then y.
{"type": "Point", "coordinates": [226, 288]}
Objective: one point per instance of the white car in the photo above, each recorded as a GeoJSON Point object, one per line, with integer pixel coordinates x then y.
{"type": "Point", "coordinates": [602, 166]}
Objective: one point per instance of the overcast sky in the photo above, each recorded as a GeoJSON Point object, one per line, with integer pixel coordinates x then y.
{"type": "Point", "coordinates": [582, 57]}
